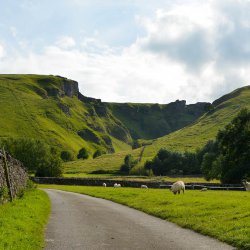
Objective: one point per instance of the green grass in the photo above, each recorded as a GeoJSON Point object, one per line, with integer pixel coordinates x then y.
{"type": "Point", "coordinates": [189, 138]}
{"type": "Point", "coordinates": [224, 215]}
{"type": "Point", "coordinates": [28, 110]}
{"type": "Point", "coordinates": [22, 222]}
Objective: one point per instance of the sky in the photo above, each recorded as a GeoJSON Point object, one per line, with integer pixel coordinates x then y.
{"type": "Point", "coordinates": [154, 51]}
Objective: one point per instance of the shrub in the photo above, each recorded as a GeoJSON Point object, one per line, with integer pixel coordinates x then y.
{"type": "Point", "coordinates": [97, 153]}
{"type": "Point", "coordinates": [129, 163]}
{"type": "Point", "coordinates": [36, 155]}
{"type": "Point", "coordinates": [67, 156]}
{"type": "Point", "coordinates": [4, 196]}
{"type": "Point", "coordinates": [83, 154]}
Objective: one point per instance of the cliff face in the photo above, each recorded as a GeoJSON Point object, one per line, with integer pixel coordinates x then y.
{"type": "Point", "coordinates": [149, 121]}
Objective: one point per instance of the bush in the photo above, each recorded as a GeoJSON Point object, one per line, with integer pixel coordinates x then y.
{"type": "Point", "coordinates": [83, 154]}
{"type": "Point", "coordinates": [97, 153]}
{"type": "Point", "coordinates": [36, 155]}
{"type": "Point", "coordinates": [129, 163]}
{"type": "Point", "coordinates": [4, 195]}
{"type": "Point", "coordinates": [67, 156]}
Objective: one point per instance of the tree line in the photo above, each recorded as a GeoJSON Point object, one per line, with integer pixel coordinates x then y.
{"type": "Point", "coordinates": [226, 158]}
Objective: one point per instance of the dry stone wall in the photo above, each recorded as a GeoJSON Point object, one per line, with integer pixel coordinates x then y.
{"type": "Point", "coordinates": [17, 174]}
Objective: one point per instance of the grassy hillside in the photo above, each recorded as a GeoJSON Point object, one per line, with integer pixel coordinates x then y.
{"type": "Point", "coordinates": [52, 109]}
{"type": "Point", "coordinates": [186, 139]}
{"type": "Point", "coordinates": [149, 121]}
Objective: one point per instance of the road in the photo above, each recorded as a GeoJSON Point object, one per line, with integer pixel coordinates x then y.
{"type": "Point", "coordinates": [83, 222]}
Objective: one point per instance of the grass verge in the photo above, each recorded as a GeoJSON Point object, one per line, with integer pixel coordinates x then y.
{"type": "Point", "coordinates": [22, 221]}
{"type": "Point", "coordinates": [224, 215]}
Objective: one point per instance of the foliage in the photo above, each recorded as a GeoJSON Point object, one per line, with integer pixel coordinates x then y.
{"type": "Point", "coordinates": [97, 153]}
{"type": "Point", "coordinates": [220, 214]}
{"type": "Point", "coordinates": [167, 162]}
{"type": "Point", "coordinates": [36, 155]}
{"type": "Point", "coordinates": [23, 221]}
{"type": "Point", "coordinates": [4, 196]}
{"type": "Point", "coordinates": [128, 164]}
{"type": "Point", "coordinates": [83, 154]}
{"type": "Point", "coordinates": [67, 156]}
{"type": "Point", "coordinates": [229, 158]}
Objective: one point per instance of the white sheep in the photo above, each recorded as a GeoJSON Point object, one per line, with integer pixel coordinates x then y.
{"type": "Point", "coordinates": [177, 187]}
{"type": "Point", "coordinates": [104, 184]}
{"type": "Point", "coordinates": [203, 189]}
{"type": "Point", "coordinates": [144, 186]}
{"type": "Point", "coordinates": [246, 185]}
{"type": "Point", "coordinates": [117, 185]}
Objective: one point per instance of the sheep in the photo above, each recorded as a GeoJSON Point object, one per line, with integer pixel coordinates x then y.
{"type": "Point", "coordinates": [104, 184]}
{"type": "Point", "coordinates": [246, 185]}
{"type": "Point", "coordinates": [177, 187]}
{"type": "Point", "coordinates": [203, 189]}
{"type": "Point", "coordinates": [144, 186]}
{"type": "Point", "coordinates": [117, 185]}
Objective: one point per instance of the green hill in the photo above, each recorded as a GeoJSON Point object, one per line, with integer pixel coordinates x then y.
{"type": "Point", "coordinates": [188, 138]}
{"type": "Point", "coordinates": [51, 108]}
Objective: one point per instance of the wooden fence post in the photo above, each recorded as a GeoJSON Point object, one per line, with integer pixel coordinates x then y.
{"type": "Point", "coordinates": [7, 176]}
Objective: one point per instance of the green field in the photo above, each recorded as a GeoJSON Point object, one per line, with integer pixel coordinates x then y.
{"type": "Point", "coordinates": [189, 138]}
{"type": "Point", "coordinates": [224, 215]}
{"type": "Point", "coordinates": [22, 222]}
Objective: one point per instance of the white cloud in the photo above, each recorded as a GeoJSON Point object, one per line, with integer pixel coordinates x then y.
{"type": "Point", "coordinates": [2, 52]}
{"type": "Point", "coordinates": [66, 42]}
{"type": "Point", "coordinates": [193, 50]}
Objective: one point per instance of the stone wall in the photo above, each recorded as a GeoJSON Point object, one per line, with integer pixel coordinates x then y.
{"type": "Point", "coordinates": [17, 174]}
{"type": "Point", "coordinates": [127, 183]}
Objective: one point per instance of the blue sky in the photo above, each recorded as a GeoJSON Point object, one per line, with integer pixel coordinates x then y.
{"type": "Point", "coordinates": [131, 51]}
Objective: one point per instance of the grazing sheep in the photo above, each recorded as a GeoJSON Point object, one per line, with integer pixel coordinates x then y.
{"type": "Point", "coordinates": [144, 186]}
{"type": "Point", "coordinates": [177, 187]}
{"type": "Point", "coordinates": [104, 184]}
{"type": "Point", "coordinates": [117, 185]}
{"type": "Point", "coordinates": [246, 185]}
{"type": "Point", "coordinates": [203, 189]}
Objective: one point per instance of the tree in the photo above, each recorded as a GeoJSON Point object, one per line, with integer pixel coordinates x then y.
{"type": "Point", "coordinates": [83, 154]}
{"type": "Point", "coordinates": [36, 155]}
{"type": "Point", "coordinates": [129, 163]}
{"type": "Point", "coordinates": [67, 156]}
{"type": "Point", "coordinates": [167, 162]}
{"type": "Point", "coordinates": [97, 153]}
{"type": "Point", "coordinates": [229, 159]}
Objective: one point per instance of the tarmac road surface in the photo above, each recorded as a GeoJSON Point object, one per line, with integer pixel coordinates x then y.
{"type": "Point", "coordinates": [83, 222]}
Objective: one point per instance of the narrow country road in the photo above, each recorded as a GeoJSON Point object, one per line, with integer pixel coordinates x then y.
{"type": "Point", "coordinates": [83, 222]}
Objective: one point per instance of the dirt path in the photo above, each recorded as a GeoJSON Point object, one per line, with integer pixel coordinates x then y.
{"type": "Point", "coordinates": [83, 222]}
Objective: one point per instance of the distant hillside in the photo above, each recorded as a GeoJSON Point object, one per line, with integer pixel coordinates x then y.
{"type": "Point", "coordinates": [150, 121]}
{"type": "Point", "coordinates": [51, 108]}
{"type": "Point", "coordinates": [188, 138]}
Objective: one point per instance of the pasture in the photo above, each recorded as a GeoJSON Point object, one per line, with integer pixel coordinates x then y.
{"type": "Point", "coordinates": [224, 215]}
{"type": "Point", "coordinates": [22, 222]}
